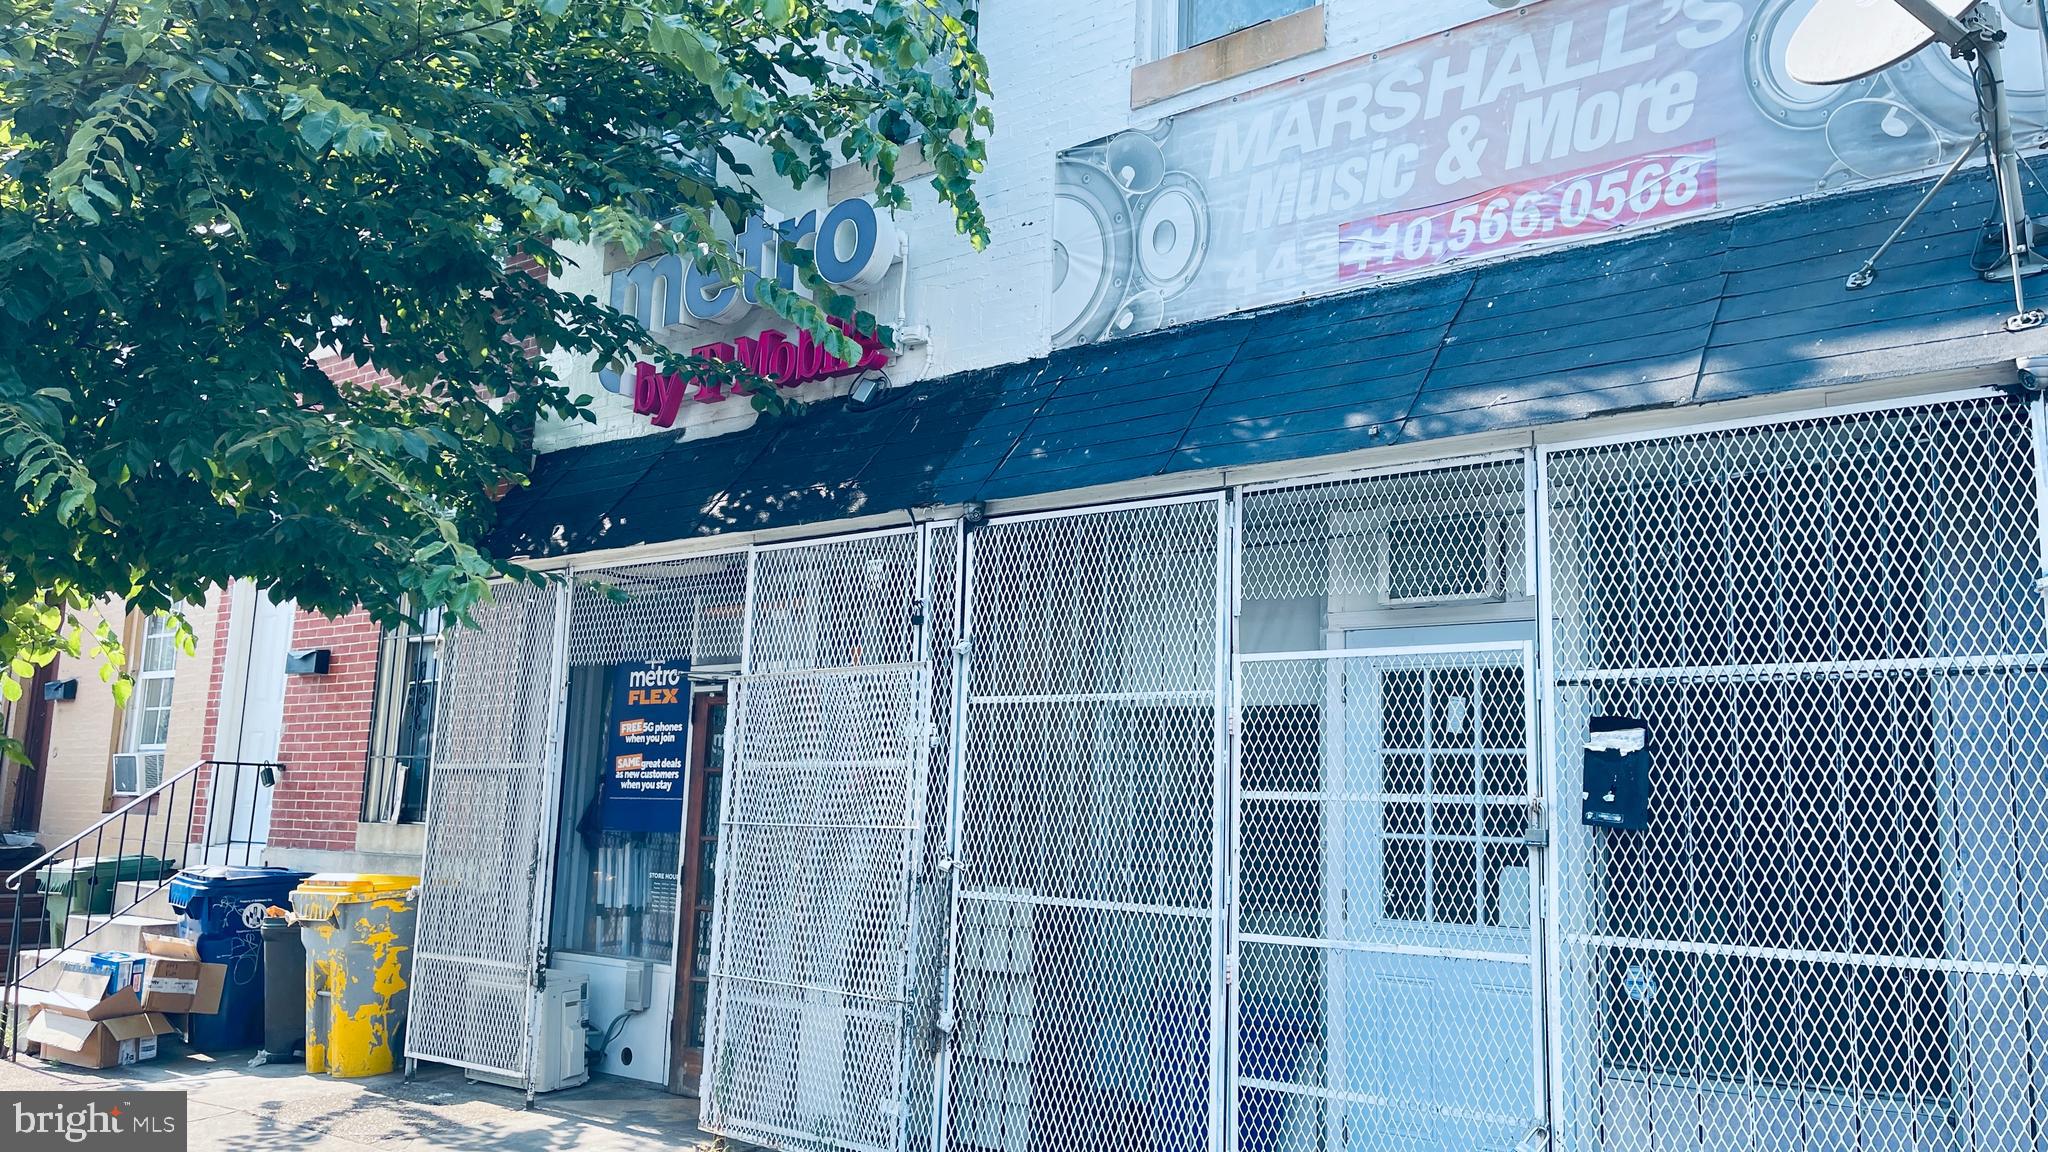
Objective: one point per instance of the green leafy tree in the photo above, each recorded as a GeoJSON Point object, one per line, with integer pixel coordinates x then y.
{"type": "Point", "coordinates": [197, 196]}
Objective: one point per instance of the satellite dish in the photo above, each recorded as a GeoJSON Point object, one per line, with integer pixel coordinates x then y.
{"type": "Point", "coordinates": [1844, 40]}
{"type": "Point", "coordinates": [1840, 41]}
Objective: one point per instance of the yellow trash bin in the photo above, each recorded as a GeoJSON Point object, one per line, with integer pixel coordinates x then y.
{"type": "Point", "coordinates": [358, 931]}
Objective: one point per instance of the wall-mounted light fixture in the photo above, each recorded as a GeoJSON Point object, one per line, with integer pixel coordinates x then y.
{"type": "Point", "coordinates": [868, 386]}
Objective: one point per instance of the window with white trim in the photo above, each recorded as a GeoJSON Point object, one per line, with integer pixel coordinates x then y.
{"type": "Point", "coordinates": [139, 766]}
{"type": "Point", "coordinates": [1197, 21]}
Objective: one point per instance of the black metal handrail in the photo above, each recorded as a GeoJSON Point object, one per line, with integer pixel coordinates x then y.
{"type": "Point", "coordinates": [143, 826]}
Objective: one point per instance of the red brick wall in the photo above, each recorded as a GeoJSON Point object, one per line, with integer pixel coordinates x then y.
{"type": "Point", "coordinates": [325, 744]}
{"type": "Point", "coordinates": [326, 738]}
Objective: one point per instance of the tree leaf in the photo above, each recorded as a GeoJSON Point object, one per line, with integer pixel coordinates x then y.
{"type": "Point", "coordinates": [221, 237]}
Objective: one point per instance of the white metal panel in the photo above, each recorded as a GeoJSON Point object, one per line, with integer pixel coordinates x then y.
{"type": "Point", "coordinates": [1829, 935]}
{"type": "Point", "coordinates": [1386, 905]}
{"type": "Point", "coordinates": [1087, 968]}
{"type": "Point", "coordinates": [490, 811]}
{"type": "Point", "coordinates": [822, 829]}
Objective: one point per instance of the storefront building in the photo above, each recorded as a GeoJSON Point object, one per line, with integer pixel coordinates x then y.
{"type": "Point", "coordinates": [1190, 706]}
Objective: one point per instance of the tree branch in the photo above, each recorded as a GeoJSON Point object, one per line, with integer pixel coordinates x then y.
{"type": "Point", "coordinates": [100, 37]}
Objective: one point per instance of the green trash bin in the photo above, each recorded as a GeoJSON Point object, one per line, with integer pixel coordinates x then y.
{"type": "Point", "coordinates": [87, 884]}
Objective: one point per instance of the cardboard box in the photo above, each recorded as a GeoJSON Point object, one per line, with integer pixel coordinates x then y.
{"type": "Point", "coordinates": [84, 994]}
{"type": "Point", "coordinates": [175, 975]}
{"type": "Point", "coordinates": [123, 969]}
{"type": "Point", "coordinates": [186, 986]}
{"type": "Point", "coordinates": [86, 1043]}
{"type": "Point", "coordinates": [164, 940]}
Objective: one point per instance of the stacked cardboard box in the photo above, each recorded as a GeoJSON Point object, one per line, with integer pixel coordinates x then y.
{"type": "Point", "coordinates": [110, 1008]}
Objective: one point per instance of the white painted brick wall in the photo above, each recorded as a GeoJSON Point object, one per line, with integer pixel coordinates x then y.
{"type": "Point", "coordinates": [1061, 71]}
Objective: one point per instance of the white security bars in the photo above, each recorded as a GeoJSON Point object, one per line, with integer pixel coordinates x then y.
{"type": "Point", "coordinates": [490, 803]}
{"type": "Point", "coordinates": [1218, 824]}
{"type": "Point", "coordinates": [1087, 974]}
{"type": "Point", "coordinates": [1385, 896]}
{"type": "Point", "coordinates": [1831, 935]}
{"type": "Point", "coordinates": [822, 826]}
{"type": "Point", "coordinates": [691, 610]}
{"type": "Point", "coordinates": [1386, 911]}
{"type": "Point", "coordinates": [932, 874]}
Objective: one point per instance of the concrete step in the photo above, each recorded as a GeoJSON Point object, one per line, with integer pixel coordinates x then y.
{"type": "Point", "coordinates": [157, 903]}
{"type": "Point", "coordinates": [111, 934]}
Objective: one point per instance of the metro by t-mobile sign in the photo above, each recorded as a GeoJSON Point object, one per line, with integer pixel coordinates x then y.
{"type": "Point", "coordinates": [771, 354]}
{"type": "Point", "coordinates": [853, 247]}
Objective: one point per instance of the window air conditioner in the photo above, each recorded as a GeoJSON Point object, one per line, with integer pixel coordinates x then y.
{"type": "Point", "coordinates": [137, 772]}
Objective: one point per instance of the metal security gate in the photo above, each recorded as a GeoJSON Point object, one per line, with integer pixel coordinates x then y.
{"type": "Point", "coordinates": [822, 837]}
{"type": "Point", "coordinates": [490, 809]}
{"type": "Point", "coordinates": [1834, 932]}
{"type": "Point", "coordinates": [1387, 942]}
{"type": "Point", "coordinates": [1387, 920]}
{"type": "Point", "coordinates": [1087, 974]}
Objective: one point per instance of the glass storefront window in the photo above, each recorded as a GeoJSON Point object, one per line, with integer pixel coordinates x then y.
{"type": "Point", "coordinates": [615, 891]}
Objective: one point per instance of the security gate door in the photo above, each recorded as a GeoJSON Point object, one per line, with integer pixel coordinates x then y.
{"type": "Point", "coordinates": [1831, 935]}
{"type": "Point", "coordinates": [824, 811]}
{"type": "Point", "coordinates": [490, 811]}
{"type": "Point", "coordinates": [1386, 908]}
{"type": "Point", "coordinates": [1087, 974]}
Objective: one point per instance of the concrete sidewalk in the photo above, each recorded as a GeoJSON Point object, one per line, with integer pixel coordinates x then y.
{"type": "Point", "coordinates": [235, 1108]}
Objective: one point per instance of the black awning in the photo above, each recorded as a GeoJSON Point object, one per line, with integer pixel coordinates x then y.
{"type": "Point", "coordinates": [1713, 310]}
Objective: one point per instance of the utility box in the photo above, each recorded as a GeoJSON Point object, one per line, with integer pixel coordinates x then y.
{"type": "Point", "coordinates": [562, 1060]}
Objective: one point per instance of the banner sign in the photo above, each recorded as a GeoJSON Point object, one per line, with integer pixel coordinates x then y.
{"type": "Point", "coordinates": [648, 749]}
{"type": "Point", "coordinates": [1557, 122]}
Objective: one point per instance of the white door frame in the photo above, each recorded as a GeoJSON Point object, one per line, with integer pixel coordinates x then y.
{"type": "Point", "coordinates": [251, 651]}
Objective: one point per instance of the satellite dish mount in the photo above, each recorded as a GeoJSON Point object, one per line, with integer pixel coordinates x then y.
{"type": "Point", "coordinates": [1844, 40]}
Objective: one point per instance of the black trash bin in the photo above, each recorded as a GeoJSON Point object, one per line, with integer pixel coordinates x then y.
{"type": "Point", "coordinates": [284, 992]}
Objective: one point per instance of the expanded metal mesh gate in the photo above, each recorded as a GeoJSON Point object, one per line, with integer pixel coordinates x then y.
{"type": "Point", "coordinates": [822, 828]}
{"type": "Point", "coordinates": [1386, 910]}
{"type": "Point", "coordinates": [1087, 970]}
{"type": "Point", "coordinates": [1385, 904]}
{"type": "Point", "coordinates": [490, 803]}
{"type": "Point", "coordinates": [1833, 933]}
{"type": "Point", "coordinates": [1131, 891]}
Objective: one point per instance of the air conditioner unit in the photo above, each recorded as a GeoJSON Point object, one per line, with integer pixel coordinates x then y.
{"type": "Point", "coordinates": [561, 1060]}
{"type": "Point", "coordinates": [1430, 557]}
{"type": "Point", "coordinates": [137, 772]}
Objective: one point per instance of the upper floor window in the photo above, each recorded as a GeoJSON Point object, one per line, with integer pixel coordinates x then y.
{"type": "Point", "coordinates": [402, 723]}
{"type": "Point", "coordinates": [1201, 20]}
{"type": "Point", "coordinates": [139, 766]}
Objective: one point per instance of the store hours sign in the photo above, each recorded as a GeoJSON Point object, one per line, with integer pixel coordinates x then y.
{"type": "Point", "coordinates": [1557, 122]}
{"type": "Point", "coordinates": [648, 748]}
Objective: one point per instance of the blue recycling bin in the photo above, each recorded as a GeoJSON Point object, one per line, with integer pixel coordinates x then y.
{"type": "Point", "coordinates": [221, 912]}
